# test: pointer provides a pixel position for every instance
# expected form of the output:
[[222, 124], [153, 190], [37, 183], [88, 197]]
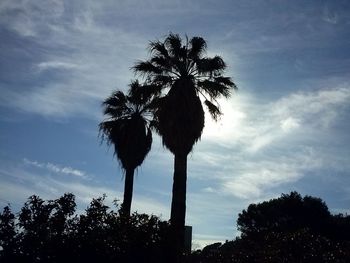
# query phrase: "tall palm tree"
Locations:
[[127, 128], [179, 74]]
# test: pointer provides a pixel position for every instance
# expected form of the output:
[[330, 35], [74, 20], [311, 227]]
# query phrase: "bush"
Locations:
[[50, 231]]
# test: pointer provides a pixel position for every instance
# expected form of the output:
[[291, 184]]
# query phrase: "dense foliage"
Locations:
[[286, 229], [48, 231]]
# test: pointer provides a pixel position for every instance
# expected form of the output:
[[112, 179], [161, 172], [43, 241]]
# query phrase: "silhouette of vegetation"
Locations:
[[287, 229], [177, 74], [127, 128], [50, 231], [287, 213]]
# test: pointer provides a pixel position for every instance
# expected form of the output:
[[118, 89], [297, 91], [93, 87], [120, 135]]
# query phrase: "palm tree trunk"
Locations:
[[128, 187], [178, 205]]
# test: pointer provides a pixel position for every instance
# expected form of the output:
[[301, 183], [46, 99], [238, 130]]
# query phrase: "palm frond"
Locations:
[[213, 65], [134, 88], [106, 129], [161, 62], [173, 44], [135, 94], [115, 105], [198, 47], [160, 82], [154, 89], [214, 89], [146, 68], [117, 98], [143, 96], [227, 81], [213, 109], [116, 112], [158, 48]]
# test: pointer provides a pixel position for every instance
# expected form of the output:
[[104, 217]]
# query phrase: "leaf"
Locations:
[[158, 49], [173, 44], [213, 109], [198, 47], [146, 68], [215, 89], [211, 65]]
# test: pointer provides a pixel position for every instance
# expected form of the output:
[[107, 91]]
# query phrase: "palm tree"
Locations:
[[127, 128], [179, 75]]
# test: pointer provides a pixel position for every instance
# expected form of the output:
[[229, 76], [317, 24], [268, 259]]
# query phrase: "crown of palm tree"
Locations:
[[178, 74], [127, 125]]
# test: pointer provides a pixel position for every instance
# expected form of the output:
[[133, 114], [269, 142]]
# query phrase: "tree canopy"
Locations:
[[178, 72], [288, 213], [290, 228], [52, 231]]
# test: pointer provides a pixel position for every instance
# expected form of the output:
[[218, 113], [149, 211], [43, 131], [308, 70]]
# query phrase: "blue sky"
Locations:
[[285, 129]]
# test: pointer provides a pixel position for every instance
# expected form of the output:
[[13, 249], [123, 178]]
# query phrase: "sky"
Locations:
[[285, 129]]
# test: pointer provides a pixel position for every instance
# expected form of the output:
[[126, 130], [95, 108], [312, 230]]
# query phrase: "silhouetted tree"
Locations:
[[290, 228], [290, 212], [341, 227], [297, 246], [48, 231], [127, 129], [8, 240], [177, 73]]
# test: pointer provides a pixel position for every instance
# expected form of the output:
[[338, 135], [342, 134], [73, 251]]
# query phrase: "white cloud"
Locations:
[[17, 184], [311, 103], [329, 17], [261, 140], [56, 65], [200, 241], [208, 190], [57, 168], [289, 124], [274, 145], [256, 124], [250, 179], [252, 184], [91, 58], [27, 18], [229, 125]]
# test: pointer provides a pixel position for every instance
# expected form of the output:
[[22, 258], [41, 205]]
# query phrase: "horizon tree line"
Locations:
[[176, 77], [290, 228]]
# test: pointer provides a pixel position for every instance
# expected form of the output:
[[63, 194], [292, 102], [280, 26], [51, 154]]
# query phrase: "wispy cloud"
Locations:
[[290, 124], [200, 241], [313, 105], [56, 65], [256, 124], [57, 168], [80, 59], [28, 17], [70, 55], [329, 16], [312, 111], [255, 178], [267, 145], [18, 183]]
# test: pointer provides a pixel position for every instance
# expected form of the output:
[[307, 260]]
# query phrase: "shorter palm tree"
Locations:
[[127, 128]]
